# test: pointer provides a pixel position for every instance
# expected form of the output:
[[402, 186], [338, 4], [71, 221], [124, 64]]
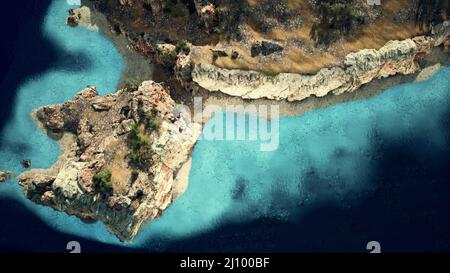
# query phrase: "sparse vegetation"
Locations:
[[335, 19], [103, 181], [131, 85], [182, 47], [270, 73], [169, 59], [266, 14], [141, 153], [268, 25], [152, 124], [231, 18], [176, 9], [431, 12]]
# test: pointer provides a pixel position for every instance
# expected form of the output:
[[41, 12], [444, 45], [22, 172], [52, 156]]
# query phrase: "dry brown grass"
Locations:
[[294, 59], [120, 173]]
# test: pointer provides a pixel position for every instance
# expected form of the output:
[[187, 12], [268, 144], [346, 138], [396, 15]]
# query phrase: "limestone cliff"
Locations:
[[396, 57], [133, 139]]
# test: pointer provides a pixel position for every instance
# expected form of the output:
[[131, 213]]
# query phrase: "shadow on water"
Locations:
[[26, 52], [33, 235], [407, 211]]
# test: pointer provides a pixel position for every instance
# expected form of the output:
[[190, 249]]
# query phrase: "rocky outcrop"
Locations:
[[166, 55], [4, 176], [183, 68], [265, 48], [94, 134], [80, 16], [396, 57]]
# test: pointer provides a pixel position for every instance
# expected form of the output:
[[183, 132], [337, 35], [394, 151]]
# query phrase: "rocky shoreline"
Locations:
[[359, 68]]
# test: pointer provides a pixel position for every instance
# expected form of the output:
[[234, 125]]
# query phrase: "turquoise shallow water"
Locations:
[[96, 62], [327, 155]]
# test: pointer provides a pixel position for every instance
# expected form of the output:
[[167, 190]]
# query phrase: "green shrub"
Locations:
[[131, 85], [270, 73], [141, 152], [152, 124], [176, 10], [133, 138], [183, 47], [142, 157], [169, 59], [103, 181], [267, 25], [215, 57]]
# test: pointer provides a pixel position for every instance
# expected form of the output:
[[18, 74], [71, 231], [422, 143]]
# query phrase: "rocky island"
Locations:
[[126, 156]]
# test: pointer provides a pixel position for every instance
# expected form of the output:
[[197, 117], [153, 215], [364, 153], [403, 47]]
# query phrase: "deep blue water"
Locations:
[[367, 170]]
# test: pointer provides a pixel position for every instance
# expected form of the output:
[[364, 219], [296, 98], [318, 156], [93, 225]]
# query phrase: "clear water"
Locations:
[[327, 155], [98, 63]]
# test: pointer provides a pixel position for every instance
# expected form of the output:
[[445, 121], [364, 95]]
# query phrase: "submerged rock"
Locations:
[[97, 176], [73, 18], [26, 163], [4, 176]]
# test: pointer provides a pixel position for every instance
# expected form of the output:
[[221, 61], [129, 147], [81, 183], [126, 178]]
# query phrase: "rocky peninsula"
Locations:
[[123, 157]]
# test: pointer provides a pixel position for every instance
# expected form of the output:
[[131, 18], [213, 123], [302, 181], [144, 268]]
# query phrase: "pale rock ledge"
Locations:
[[358, 68]]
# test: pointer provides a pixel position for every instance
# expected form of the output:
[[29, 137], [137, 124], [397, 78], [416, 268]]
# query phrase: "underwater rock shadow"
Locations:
[[406, 211], [25, 52], [23, 232]]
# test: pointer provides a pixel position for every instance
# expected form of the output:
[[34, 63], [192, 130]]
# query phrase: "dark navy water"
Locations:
[[372, 170]]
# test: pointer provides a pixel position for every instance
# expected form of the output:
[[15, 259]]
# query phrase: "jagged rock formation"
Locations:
[[396, 57], [94, 133], [80, 16]]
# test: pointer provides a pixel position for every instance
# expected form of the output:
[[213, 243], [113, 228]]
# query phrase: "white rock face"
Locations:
[[396, 57]]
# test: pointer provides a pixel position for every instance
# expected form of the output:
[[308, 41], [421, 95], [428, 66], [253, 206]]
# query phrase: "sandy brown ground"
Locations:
[[308, 58]]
